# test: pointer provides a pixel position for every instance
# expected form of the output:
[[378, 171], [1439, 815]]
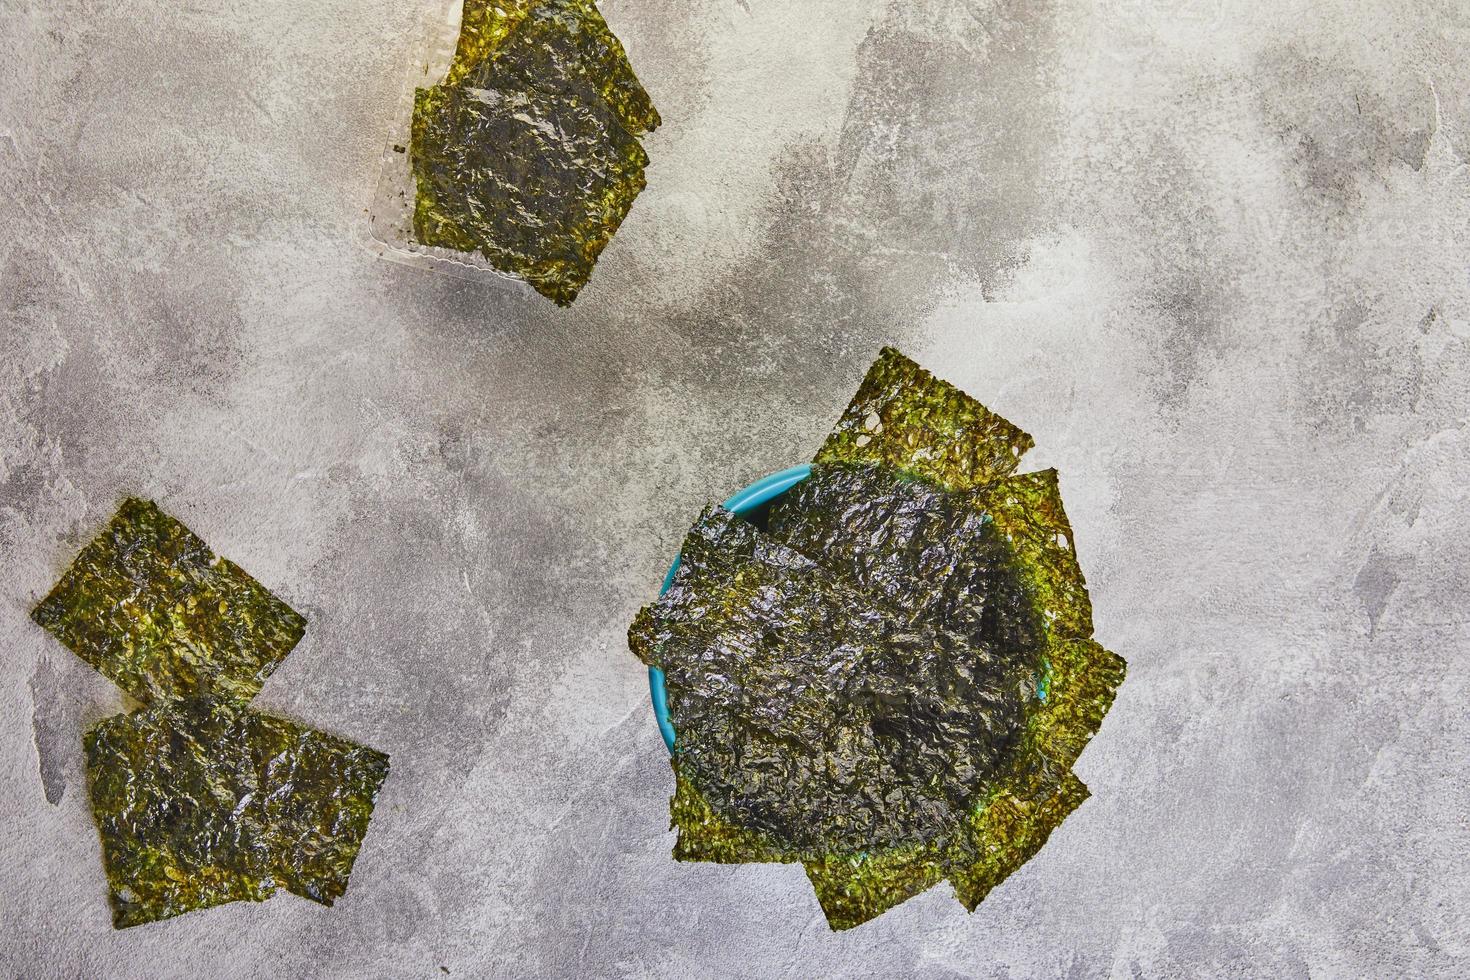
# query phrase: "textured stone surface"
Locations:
[[1212, 254]]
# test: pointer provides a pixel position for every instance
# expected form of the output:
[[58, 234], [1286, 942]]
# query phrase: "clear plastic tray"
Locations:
[[390, 216]]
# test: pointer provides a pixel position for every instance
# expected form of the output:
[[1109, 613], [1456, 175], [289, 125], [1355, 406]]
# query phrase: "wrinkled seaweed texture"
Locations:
[[1038, 790], [944, 535], [483, 27], [152, 608], [317, 793], [1027, 510], [528, 152], [1005, 834], [554, 42], [704, 835], [809, 714], [855, 887], [932, 553], [170, 786], [203, 801], [945, 558], [199, 800], [904, 417]]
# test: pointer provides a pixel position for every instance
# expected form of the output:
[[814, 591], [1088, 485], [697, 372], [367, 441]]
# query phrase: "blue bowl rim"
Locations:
[[762, 491]]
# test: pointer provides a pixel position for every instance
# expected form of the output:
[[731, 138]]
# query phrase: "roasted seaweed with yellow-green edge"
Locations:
[[153, 609], [528, 152], [550, 39], [807, 713], [198, 799], [1079, 680], [939, 556], [1040, 790], [855, 887], [170, 787], [317, 793], [1004, 834], [204, 801], [704, 835], [904, 417], [483, 27], [932, 553], [912, 507]]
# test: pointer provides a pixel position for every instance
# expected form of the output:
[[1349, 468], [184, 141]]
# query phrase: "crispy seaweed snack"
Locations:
[[807, 713], [317, 793], [905, 418], [912, 507], [198, 799], [528, 152], [170, 788], [554, 39], [153, 609], [935, 554], [203, 801]]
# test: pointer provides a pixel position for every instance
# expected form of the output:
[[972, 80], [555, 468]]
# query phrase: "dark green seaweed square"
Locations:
[[1027, 510], [528, 153], [936, 555], [536, 184], [547, 43], [317, 793], [153, 609], [203, 801], [912, 513], [904, 417], [172, 788], [855, 887], [1006, 833], [807, 713]]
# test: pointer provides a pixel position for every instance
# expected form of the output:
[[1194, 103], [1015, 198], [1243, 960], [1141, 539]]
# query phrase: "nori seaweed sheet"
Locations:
[[483, 27], [317, 793], [528, 151], [704, 835], [807, 713], [1034, 794], [932, 553], [1038, 790], [904, 417], [1027, 509], [199, 800], [170, 788], [203, 801], [940, 556], [1003, 835], [939, 441], [997, 563], [855, 887], [536, 186], [553, 38], [999, 837], [153, 609]]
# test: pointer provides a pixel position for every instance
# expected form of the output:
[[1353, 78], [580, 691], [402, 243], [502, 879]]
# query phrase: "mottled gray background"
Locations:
[[1212, 253]]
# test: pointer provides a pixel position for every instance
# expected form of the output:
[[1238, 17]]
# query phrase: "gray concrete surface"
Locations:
[[1211, 253]]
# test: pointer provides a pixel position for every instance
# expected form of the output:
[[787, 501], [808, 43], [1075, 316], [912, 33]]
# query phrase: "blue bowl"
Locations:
[[758, 494]]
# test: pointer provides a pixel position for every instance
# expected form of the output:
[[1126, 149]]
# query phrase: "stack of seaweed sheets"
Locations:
[[887, 676], [199, 799], [528, 152]]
